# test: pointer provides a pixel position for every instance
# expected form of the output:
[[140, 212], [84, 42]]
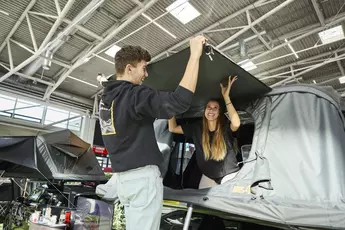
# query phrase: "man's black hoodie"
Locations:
[[126, 116]]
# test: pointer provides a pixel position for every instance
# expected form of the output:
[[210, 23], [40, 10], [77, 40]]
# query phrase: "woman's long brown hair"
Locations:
[[217, 149]]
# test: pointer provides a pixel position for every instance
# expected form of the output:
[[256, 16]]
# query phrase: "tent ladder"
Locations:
[[188, 217]]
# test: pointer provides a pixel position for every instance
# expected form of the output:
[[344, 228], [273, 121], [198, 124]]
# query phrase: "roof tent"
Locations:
[[59, 155]]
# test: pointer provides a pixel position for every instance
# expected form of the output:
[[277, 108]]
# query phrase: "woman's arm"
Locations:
[[235, 121], [173, 127], [234, 118]]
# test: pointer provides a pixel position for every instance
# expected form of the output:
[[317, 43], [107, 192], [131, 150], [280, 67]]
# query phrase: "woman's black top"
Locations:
[[215, 170]]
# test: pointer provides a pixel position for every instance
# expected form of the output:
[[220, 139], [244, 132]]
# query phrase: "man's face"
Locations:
[[138, 73]]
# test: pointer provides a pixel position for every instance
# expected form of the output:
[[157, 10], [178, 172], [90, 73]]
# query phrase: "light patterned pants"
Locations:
[[141, 192]]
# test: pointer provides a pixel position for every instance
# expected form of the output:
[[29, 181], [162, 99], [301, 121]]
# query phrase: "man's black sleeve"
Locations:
[[189, 129], [152, 103]]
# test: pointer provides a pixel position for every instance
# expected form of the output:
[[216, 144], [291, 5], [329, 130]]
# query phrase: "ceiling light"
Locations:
[[292, 49], [4, 12], [158, 25], [332, 35], [112, 51], [342, 80], [247, 65], [87, 83], [47, 61], [183, 11]]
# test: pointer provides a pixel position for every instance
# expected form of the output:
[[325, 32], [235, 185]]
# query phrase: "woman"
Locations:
[[216, 157]]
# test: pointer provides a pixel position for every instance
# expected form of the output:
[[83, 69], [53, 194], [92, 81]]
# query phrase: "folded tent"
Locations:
[[59, 155]]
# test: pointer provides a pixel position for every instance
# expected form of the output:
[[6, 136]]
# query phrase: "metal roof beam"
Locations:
[[44, 44], [318, 12], [330, 60], [232, 46], [290, 54], [55, 44], [32, 34], [6, 66], [81, 60], [93, 44], [51, 23], [329, 22], [249, 19], [301, 62], [79, 27], [139, 3], [211, 27], [329, 80], [341, 68], [281, 38], [57, 6], [59, 62], [19, 21], [257, 21]]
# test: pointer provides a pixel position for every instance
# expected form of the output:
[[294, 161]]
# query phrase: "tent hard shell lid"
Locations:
[[294, 175], [59, 155], [167, 73]]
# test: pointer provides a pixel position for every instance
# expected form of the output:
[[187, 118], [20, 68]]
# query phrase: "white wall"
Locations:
[[88, 129]]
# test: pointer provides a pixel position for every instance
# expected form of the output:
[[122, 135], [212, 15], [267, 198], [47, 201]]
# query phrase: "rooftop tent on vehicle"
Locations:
[[59, 155], [295, 172]]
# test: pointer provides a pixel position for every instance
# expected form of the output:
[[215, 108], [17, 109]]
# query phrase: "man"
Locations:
[[127, 112]]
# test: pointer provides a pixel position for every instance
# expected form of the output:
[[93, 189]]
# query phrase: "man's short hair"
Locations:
[[130, 55]]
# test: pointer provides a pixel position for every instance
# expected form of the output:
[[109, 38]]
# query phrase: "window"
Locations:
[[74, 124], [35, 112], [55, 115], [187, 149], [28, 111], [104, 162], [7, 105]]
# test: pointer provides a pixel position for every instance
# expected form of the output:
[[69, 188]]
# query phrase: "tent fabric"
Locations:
[[211, 74], [299, 148], [164, 140], [12, 149], [73, 159], [68, 142]]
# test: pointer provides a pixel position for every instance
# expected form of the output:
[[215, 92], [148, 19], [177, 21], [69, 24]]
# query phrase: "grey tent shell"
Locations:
[[295, 172], [59, 155]]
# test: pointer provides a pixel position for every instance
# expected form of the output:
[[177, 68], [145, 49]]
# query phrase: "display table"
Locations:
[[36, 226]]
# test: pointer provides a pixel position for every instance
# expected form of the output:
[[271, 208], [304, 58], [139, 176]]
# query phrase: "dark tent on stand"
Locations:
[[295, 172], [60, 155]]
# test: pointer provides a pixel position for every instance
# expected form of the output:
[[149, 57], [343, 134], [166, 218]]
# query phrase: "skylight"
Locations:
[[332, 35], [183, 11], [342, 80], [247, 65], [112, 50]]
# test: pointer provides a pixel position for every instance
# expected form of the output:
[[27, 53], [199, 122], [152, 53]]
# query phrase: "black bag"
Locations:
[[211, 222]]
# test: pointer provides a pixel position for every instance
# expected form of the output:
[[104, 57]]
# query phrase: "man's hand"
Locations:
[[196, 45], [226, 90]]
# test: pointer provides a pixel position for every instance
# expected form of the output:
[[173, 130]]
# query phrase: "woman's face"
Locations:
[[212, 110]]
